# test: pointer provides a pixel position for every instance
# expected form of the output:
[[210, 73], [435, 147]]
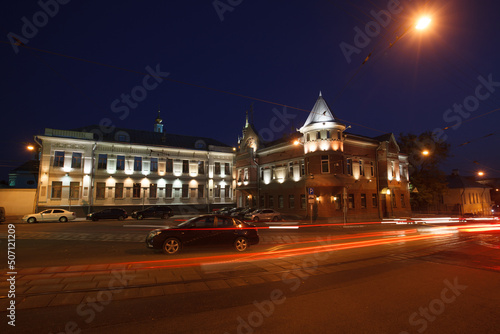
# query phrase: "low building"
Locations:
[[466, 196], [82, 171], [323, 171]]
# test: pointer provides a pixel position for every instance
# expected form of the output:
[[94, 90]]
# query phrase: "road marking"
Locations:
[[154, 226]]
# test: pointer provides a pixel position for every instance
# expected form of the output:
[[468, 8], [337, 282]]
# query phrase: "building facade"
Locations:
[[83, 171], [323, 171]]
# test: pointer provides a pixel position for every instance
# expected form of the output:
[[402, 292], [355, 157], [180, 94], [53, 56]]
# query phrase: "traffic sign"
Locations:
[[311, 191]]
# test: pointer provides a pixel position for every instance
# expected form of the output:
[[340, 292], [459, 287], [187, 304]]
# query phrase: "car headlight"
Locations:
[[153, 234]]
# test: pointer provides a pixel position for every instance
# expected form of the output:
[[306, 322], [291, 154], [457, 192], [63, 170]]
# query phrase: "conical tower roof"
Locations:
[[320, 113]]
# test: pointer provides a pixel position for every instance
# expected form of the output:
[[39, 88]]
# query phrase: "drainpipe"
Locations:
[[92, 176]]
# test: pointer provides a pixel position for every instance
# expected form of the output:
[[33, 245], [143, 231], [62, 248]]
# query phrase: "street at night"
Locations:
[[361, 278]]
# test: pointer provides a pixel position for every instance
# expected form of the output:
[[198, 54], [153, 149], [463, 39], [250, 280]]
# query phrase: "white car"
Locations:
[[263, 214], [50, 215]]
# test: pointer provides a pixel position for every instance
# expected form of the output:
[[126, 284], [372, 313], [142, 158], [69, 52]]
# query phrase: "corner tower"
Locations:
[[158, 123], [321, 132]]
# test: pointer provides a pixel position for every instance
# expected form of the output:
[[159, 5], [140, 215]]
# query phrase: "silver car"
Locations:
[[50, 215], [263, 215]]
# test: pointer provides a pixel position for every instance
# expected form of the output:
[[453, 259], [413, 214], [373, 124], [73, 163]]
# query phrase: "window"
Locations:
[[401, 171], [361, 168], [74, 190], [372, 169], [302, 201], [363, 201], [185, 190], [153, 190], [185, 166], [262, 201], [393, 171], [271, 201], [217, 191], [374, 200], [119, 190], [349, 166], [227, 169], [291, 201], [302, 168], [308, 138], [201, 167], [201, 189], [403, 204], [280, 201], [168, 190], [217, 168], [169, 166], [338, 135], [351, 201], [153, 167], [325, 164], [56, 189], [261, 174], [393, 199], [138, 164], [227, 191], [76, 160], [120, 162], [273, 172], [102, 161], [290, 169], [100, 190], [327, 134], [318, 135], [136, 190], [59, 159]]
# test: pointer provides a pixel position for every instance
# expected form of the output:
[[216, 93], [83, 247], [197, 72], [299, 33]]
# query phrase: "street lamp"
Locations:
[[480, 173], [425, 153], [423, 23]]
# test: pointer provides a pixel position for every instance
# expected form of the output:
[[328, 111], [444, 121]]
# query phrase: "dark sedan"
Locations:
[[206, 230], [156, 211], [119, 214]]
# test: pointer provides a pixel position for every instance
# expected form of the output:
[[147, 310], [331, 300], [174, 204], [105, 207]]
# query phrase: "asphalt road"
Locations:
[[378, 279]]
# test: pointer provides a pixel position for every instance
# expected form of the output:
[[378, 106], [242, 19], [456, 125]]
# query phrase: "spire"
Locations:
[[246, 119], [158, 127], [320, 94], [320, 113]]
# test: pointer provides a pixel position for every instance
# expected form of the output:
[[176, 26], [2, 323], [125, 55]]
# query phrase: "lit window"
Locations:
[[325, 164], [74, 190], [100, 191], [102, 161], [119, 190], [153, 167], [120, 162], [136, 190], [59, 159], [76, 160], [363, 201], [56, 190], [138, 164]]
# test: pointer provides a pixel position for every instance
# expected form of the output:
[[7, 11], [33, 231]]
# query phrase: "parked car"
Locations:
[[156, 211], [263, 214], [119, 214], [224, 210], [50, 215], [205, 230], [2, 214], [241, 214]]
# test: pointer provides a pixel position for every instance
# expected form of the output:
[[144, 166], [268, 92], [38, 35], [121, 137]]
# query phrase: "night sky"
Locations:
[[217, 62]]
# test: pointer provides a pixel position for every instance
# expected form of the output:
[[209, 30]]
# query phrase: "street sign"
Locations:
[[311, 199], [311, 191]]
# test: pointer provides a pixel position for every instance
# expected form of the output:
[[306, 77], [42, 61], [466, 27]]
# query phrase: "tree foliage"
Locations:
[[427, 181]]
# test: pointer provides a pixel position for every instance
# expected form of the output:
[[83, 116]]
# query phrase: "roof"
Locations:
[[143, 137], [320, 112], [30, 166], [457, 181]]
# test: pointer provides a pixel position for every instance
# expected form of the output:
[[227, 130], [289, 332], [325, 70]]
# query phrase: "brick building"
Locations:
[[323, 171]]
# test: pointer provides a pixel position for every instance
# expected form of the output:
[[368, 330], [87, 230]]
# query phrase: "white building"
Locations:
[[125, 168]]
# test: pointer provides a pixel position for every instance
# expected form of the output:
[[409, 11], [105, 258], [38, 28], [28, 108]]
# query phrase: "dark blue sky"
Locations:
[[278, 51]]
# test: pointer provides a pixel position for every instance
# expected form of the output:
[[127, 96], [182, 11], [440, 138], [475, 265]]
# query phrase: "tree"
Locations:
[[427, 181]]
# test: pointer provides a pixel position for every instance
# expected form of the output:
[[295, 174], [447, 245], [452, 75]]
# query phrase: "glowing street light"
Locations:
[[423, 23], [480, 173], [30, 147], [425, 153]]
